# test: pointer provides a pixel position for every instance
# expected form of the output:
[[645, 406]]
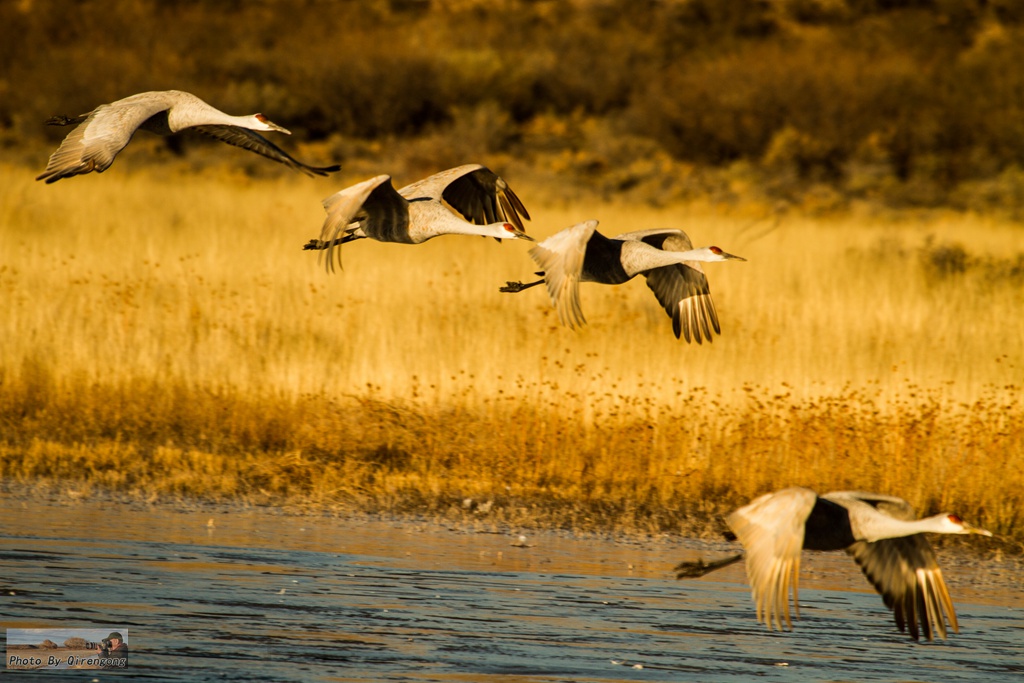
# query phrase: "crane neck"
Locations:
[[461, 227], [185, 110], [429, 219], [881, 527], [179, 118], [639, 257]]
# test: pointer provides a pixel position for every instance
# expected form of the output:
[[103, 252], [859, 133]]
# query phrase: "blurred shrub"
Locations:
[[805, 155], [943, 260], [734, 106], [994, 192]]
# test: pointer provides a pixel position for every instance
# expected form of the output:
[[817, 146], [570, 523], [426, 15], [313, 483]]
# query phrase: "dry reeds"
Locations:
[[167, 336]]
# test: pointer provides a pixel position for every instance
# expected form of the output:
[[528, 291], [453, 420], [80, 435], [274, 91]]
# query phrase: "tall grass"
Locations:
[[164, 334]]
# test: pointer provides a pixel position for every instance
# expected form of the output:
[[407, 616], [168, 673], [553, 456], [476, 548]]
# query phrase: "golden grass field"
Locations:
[[165, 336]]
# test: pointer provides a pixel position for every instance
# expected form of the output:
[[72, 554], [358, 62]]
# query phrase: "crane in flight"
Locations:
[[879, 531], [665, 257], [102, 133], [465, 200]]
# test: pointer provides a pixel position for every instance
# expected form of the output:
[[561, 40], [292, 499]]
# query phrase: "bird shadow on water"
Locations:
[[282, 598]]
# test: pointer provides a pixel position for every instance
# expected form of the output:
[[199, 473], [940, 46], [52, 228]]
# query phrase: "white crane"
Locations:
[[879, 531], [108, 128], [465, 200], [666, 257]]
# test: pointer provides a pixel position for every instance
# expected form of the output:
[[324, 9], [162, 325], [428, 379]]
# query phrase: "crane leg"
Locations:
[[513, 287], [62, 120], [321, 244], [692, 570]]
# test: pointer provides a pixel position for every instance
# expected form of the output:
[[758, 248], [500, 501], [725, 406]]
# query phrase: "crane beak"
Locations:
[[976, 530], [717, 252]]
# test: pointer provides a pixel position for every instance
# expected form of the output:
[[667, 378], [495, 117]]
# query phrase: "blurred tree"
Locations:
[[933, 87]]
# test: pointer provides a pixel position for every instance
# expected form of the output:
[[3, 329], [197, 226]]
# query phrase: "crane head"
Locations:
[[956, 525], [515, 233], [716, 254], [267, 124]]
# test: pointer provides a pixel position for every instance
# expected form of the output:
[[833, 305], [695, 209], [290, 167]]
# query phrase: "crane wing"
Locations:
[[105, 131], [891, 505], [680, 238], [561, 258], [483, 197], [683, 292], [254, 142], [905, 572], [771, 529], [371, 208], [433, 185], [681, 289], [475, 192]]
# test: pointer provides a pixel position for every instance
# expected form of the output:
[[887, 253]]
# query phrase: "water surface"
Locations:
[[222, 594]]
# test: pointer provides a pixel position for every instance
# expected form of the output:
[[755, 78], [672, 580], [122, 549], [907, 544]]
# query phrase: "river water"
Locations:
[[254, 594]]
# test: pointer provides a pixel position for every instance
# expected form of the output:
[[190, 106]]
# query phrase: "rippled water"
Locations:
[[271, 597]]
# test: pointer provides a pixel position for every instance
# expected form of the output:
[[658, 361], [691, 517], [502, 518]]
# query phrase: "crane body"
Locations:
[[102, 133], [879, 531], [465, 200], [665, 257]]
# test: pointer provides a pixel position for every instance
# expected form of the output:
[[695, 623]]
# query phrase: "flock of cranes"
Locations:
[[466, 200], [879, 531]]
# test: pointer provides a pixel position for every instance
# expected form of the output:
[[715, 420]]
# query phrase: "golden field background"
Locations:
[[165, 336]]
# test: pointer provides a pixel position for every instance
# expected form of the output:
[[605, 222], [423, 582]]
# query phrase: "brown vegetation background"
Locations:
[[164, 336], [905, 102]]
